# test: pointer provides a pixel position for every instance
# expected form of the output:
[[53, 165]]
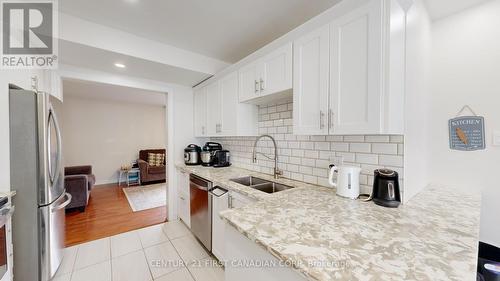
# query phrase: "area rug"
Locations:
[[145, 197]]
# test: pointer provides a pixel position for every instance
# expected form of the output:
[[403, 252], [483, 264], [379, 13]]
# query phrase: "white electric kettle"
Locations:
[[347, 183]]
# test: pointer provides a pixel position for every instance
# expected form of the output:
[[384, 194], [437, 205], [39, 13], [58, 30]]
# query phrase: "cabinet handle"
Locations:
[[256, 86], [330, 118], [230, 201], [261, 85], [202, 130], [321, 119], [182, 198]]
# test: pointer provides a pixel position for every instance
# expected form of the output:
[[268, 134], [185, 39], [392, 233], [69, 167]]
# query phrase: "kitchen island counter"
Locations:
[[432, 237]]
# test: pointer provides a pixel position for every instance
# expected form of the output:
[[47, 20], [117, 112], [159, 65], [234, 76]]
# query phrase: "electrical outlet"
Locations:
[[496, 138]]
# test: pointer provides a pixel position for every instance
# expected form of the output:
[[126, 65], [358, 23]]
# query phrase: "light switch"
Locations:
[[496, 138]]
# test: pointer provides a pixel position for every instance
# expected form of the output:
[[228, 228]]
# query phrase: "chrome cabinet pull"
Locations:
[[230, 201], [256, 86], [261, 85], [321, 119], [330, 117]]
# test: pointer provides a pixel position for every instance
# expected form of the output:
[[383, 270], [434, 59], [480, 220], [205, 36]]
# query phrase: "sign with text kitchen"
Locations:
[[467, 133]]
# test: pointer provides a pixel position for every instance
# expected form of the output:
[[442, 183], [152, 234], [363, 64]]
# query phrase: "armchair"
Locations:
[[150, 174], [78, 181]]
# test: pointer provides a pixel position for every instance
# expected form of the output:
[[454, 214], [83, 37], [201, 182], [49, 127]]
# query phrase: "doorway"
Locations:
[[116, 137]]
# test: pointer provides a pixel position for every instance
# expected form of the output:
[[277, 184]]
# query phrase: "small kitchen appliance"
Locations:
[[207, 154], [192, 155], [222, 158], [347, 183], [386, 188]]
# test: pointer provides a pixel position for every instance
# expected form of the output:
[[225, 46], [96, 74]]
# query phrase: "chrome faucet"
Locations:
[[277, 172]]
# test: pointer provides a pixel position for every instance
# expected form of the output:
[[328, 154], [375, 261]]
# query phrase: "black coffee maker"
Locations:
[[386, 190]]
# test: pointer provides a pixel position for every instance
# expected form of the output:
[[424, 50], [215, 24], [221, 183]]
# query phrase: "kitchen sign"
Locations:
[[467, 133]]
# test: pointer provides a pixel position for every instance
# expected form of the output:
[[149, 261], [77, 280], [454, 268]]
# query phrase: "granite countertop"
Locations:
[[222, 177], [432, 237]]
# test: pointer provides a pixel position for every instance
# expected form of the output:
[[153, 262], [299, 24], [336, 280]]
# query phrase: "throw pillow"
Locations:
[[152, 159], [160, 158], [156, 159]]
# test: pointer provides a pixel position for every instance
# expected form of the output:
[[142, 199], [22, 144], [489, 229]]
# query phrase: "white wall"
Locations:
[[466, 70], [108, 133]]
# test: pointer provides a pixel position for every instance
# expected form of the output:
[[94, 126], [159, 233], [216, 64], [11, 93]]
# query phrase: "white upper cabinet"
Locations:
[[310, 83], [267, 76], [356, 71], [214, 109], [341, 79], [276, 71], [200, 112], [229, 99], [249, 85], [217, 108]]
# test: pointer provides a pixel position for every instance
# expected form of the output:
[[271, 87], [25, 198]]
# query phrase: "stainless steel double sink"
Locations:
[[261, 184]]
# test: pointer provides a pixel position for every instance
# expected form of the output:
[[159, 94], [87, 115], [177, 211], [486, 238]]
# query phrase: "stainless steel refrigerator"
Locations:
[[36, 173]]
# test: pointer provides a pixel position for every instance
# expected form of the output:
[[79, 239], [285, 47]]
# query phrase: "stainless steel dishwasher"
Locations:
[[201, 210]]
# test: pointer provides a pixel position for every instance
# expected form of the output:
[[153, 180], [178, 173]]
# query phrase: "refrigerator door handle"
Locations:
[[64, 204], [53, 118]]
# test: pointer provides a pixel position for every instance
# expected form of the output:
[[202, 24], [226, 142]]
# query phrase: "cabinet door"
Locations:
[[276, 71], [310, 83], [238, 200], [356, 69], [213, 109], [184, 198], [219, 204], [200, 112], [248, 82], [229, 104]]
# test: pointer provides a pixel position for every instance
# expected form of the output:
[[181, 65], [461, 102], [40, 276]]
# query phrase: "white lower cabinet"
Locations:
[[227, 201], [184, 206], [240, 248], [238, 200]]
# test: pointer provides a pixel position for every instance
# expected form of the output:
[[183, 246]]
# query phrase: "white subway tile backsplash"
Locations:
[[364, 158], [307, 145], [306, 158], [340, 146], [308, 162], [354, 138], [397, 138], [360, 147], [390, 160], [322, 145], [377, 138], [311, 154], [385, 148]]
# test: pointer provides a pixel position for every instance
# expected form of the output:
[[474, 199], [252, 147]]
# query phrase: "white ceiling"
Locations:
[[103, 60], [439, 9], [227, 30], [100, 91]]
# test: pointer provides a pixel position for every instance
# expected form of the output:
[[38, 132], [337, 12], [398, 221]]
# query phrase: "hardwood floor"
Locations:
[[108, 213]]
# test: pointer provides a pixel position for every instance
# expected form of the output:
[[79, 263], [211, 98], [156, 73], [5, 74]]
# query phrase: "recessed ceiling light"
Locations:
[[120, 65]]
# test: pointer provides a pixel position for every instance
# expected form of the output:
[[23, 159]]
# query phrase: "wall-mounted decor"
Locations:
[[467, 132]]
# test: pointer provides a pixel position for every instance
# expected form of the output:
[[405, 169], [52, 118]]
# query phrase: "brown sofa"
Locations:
[[78, 181], [150, 174]]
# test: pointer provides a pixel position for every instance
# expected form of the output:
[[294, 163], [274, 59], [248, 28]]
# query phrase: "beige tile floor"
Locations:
[[165, 252]]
